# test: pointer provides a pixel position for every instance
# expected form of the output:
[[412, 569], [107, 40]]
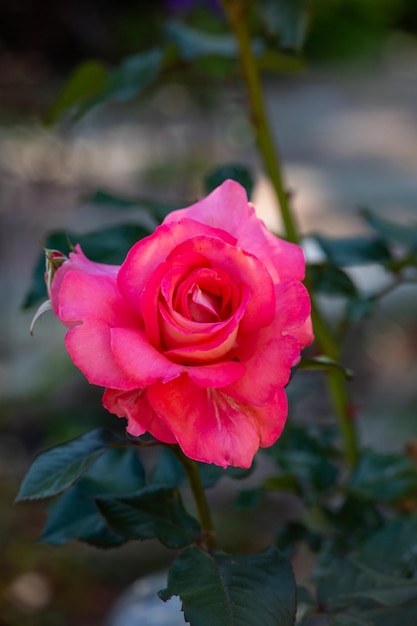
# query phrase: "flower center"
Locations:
[[203, 306]]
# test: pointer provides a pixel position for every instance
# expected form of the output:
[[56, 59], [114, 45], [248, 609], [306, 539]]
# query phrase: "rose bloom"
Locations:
[[195, 334]]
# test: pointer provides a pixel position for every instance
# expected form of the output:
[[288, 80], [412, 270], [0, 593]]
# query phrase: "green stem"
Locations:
[[236, 12], [197, 488]]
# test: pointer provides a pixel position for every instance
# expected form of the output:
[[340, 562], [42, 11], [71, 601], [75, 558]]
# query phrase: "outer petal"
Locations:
[[212, 427], [139, 360], [227, 207], [270, 353], [268, 361], [304, 333], [88, 345], [272, 418], [141, 417], [80, 263], [91, 304], [292, 306], [87, 296], [206, 430]]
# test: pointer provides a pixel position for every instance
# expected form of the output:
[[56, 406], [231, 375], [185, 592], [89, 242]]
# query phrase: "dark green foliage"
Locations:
[[392, 232], [322, 362], [170, 472], [308, 459], [348, 251], [75, 515], [349, 584], [92, 84], [383, 477], [235, 171], [109, 245], [193, 44], [285, 19], [392, 550], [56, 469], [157, 210], [227, 590], [153, 511], [331, 280]]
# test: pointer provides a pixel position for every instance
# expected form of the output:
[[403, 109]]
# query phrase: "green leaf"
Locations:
[[360, 308], [346, 251], [391, 231], [323, 362], [170, 472], [92, 84], [404, 615], [249, 498], [299, 454], [109, 245], [154, 511], [355, 520], [158, 210], [346, 581], [211, 474], [75, 515], [392, 549], [235, 171], [194, 44], [331, 280], [132, 76], [383, 477], [348, 620], [286, 19], [56, 469], [86, 82], [228, 590]]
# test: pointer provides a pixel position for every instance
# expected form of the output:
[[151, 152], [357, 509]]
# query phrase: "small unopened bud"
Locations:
[[53, 261]]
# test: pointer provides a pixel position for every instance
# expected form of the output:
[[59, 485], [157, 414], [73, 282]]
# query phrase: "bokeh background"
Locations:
[[346, 125]]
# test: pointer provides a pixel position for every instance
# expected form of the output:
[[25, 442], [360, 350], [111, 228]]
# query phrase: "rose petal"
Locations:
[[153, 289], [209, 351], [141, 417], [227, 207], [207, 428], [272, 418], [304, 333], [243, 269], [212, 427], [145, 256], [292, 305], [80, 263], [88, 345], [86, 296], [217, 374], [141, 362], [214, 345], [271, 352], [268, 361]]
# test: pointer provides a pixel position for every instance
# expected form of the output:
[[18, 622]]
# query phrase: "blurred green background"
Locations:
[[347, 130]]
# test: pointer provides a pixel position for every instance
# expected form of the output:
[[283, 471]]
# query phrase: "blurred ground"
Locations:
[[348, 139]]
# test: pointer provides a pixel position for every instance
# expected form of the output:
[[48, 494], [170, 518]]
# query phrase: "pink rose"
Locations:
[[195, 334]]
